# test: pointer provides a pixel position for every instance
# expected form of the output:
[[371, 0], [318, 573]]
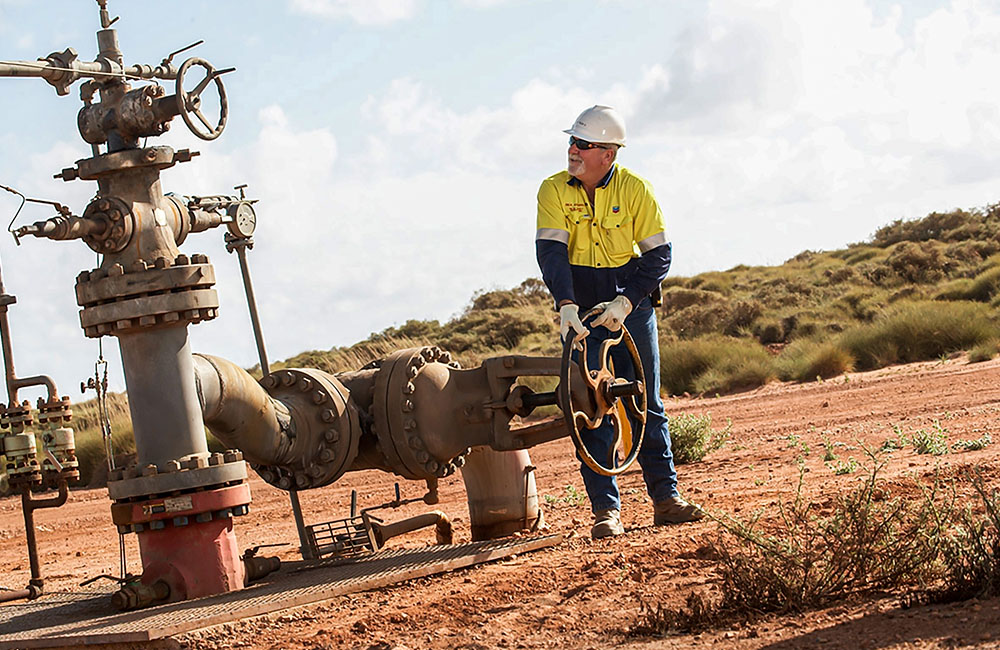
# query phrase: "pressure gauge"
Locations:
[[244, 220]]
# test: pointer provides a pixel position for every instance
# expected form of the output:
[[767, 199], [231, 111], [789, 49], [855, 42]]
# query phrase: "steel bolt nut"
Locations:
[[161, 263], [181, 260], [287, 378], [328, 415], [150, 470], [319, 397], [331, 435]]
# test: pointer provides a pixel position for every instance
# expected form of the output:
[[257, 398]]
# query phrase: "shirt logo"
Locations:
[[615, 209]]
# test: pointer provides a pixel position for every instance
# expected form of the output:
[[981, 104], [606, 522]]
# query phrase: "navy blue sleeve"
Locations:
[[652, 268], [553, 260]]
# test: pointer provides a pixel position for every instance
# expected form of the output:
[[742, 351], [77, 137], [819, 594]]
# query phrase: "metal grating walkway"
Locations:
[[81, 619]]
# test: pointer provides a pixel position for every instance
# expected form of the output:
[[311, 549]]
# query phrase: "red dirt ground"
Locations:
[[584, 594]]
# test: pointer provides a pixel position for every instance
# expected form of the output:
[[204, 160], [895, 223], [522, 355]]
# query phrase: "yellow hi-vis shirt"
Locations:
[[625, 221]]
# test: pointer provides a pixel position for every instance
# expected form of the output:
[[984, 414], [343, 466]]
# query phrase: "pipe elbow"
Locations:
[[239, 412]]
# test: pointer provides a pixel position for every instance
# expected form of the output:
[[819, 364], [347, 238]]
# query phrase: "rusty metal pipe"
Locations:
[[240, 412], [384, 532], [12, 381], [501, 492], [21, 594], [64, 227], [28, 507]]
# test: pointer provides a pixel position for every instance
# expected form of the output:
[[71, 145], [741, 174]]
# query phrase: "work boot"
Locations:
[[676, 510], [607, 523]]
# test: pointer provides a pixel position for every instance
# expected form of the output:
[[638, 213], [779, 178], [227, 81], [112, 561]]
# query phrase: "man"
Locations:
[[601, 244]]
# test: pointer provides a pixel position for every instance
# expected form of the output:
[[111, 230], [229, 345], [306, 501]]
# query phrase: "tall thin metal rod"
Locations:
[[241, 253], [13, 383], [305, 550]]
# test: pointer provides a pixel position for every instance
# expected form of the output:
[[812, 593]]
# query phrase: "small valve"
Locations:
[[59, 461], [19, 446]]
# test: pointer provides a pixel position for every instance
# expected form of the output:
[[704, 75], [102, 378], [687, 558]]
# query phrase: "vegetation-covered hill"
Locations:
[[916, 290]]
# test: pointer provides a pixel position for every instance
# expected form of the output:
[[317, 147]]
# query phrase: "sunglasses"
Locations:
[[583, 145]]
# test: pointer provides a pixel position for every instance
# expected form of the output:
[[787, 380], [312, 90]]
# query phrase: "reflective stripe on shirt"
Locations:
[[554, 234], [651, 242]]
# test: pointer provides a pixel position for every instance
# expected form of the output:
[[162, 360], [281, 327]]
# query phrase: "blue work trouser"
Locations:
[[655, 457]]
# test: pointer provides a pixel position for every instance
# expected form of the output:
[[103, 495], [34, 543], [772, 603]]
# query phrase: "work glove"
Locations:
[[613, 313], [569, 319]]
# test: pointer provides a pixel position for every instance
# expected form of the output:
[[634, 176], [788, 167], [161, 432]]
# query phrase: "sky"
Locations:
[[396, 146]]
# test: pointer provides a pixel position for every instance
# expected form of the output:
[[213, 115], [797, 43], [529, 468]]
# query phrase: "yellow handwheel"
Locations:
[[622, 400]]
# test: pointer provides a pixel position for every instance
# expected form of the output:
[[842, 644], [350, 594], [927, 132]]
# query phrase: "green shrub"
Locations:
[[944, 226], [769, 331], [985, 285], [692, 436], [971, 554], [861, 253], [917, 331], [699, 319], [715, 363], [984, 351], [933, 442], [530, 292], [918, 263], [957, 289], [745, 371], [814, 555], [676, 298], [806, 360]]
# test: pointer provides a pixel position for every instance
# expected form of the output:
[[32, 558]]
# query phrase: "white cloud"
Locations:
[[364, 12]]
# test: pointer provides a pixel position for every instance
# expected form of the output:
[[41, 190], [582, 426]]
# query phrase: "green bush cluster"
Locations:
[[804, 554], [692, 436]]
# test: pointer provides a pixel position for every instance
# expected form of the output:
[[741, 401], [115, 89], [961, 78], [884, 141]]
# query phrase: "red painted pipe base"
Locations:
[[200, 559]]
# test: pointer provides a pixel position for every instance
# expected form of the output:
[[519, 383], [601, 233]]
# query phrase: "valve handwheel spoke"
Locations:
[[189, 101], [621, 401]]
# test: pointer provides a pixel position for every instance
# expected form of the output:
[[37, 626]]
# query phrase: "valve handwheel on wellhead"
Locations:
[[618, 399]]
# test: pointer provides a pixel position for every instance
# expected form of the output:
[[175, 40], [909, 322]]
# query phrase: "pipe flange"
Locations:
[[327, 430], [158, 157], [395, 417], [165, 293], [178, 510], [191, 473], [118, 222]]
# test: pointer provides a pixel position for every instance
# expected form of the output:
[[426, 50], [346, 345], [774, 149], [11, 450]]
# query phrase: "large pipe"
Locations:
[[500, 485], [240, 413], [161, 395]]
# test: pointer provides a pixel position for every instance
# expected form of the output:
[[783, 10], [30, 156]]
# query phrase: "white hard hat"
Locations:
[[600, 124]]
